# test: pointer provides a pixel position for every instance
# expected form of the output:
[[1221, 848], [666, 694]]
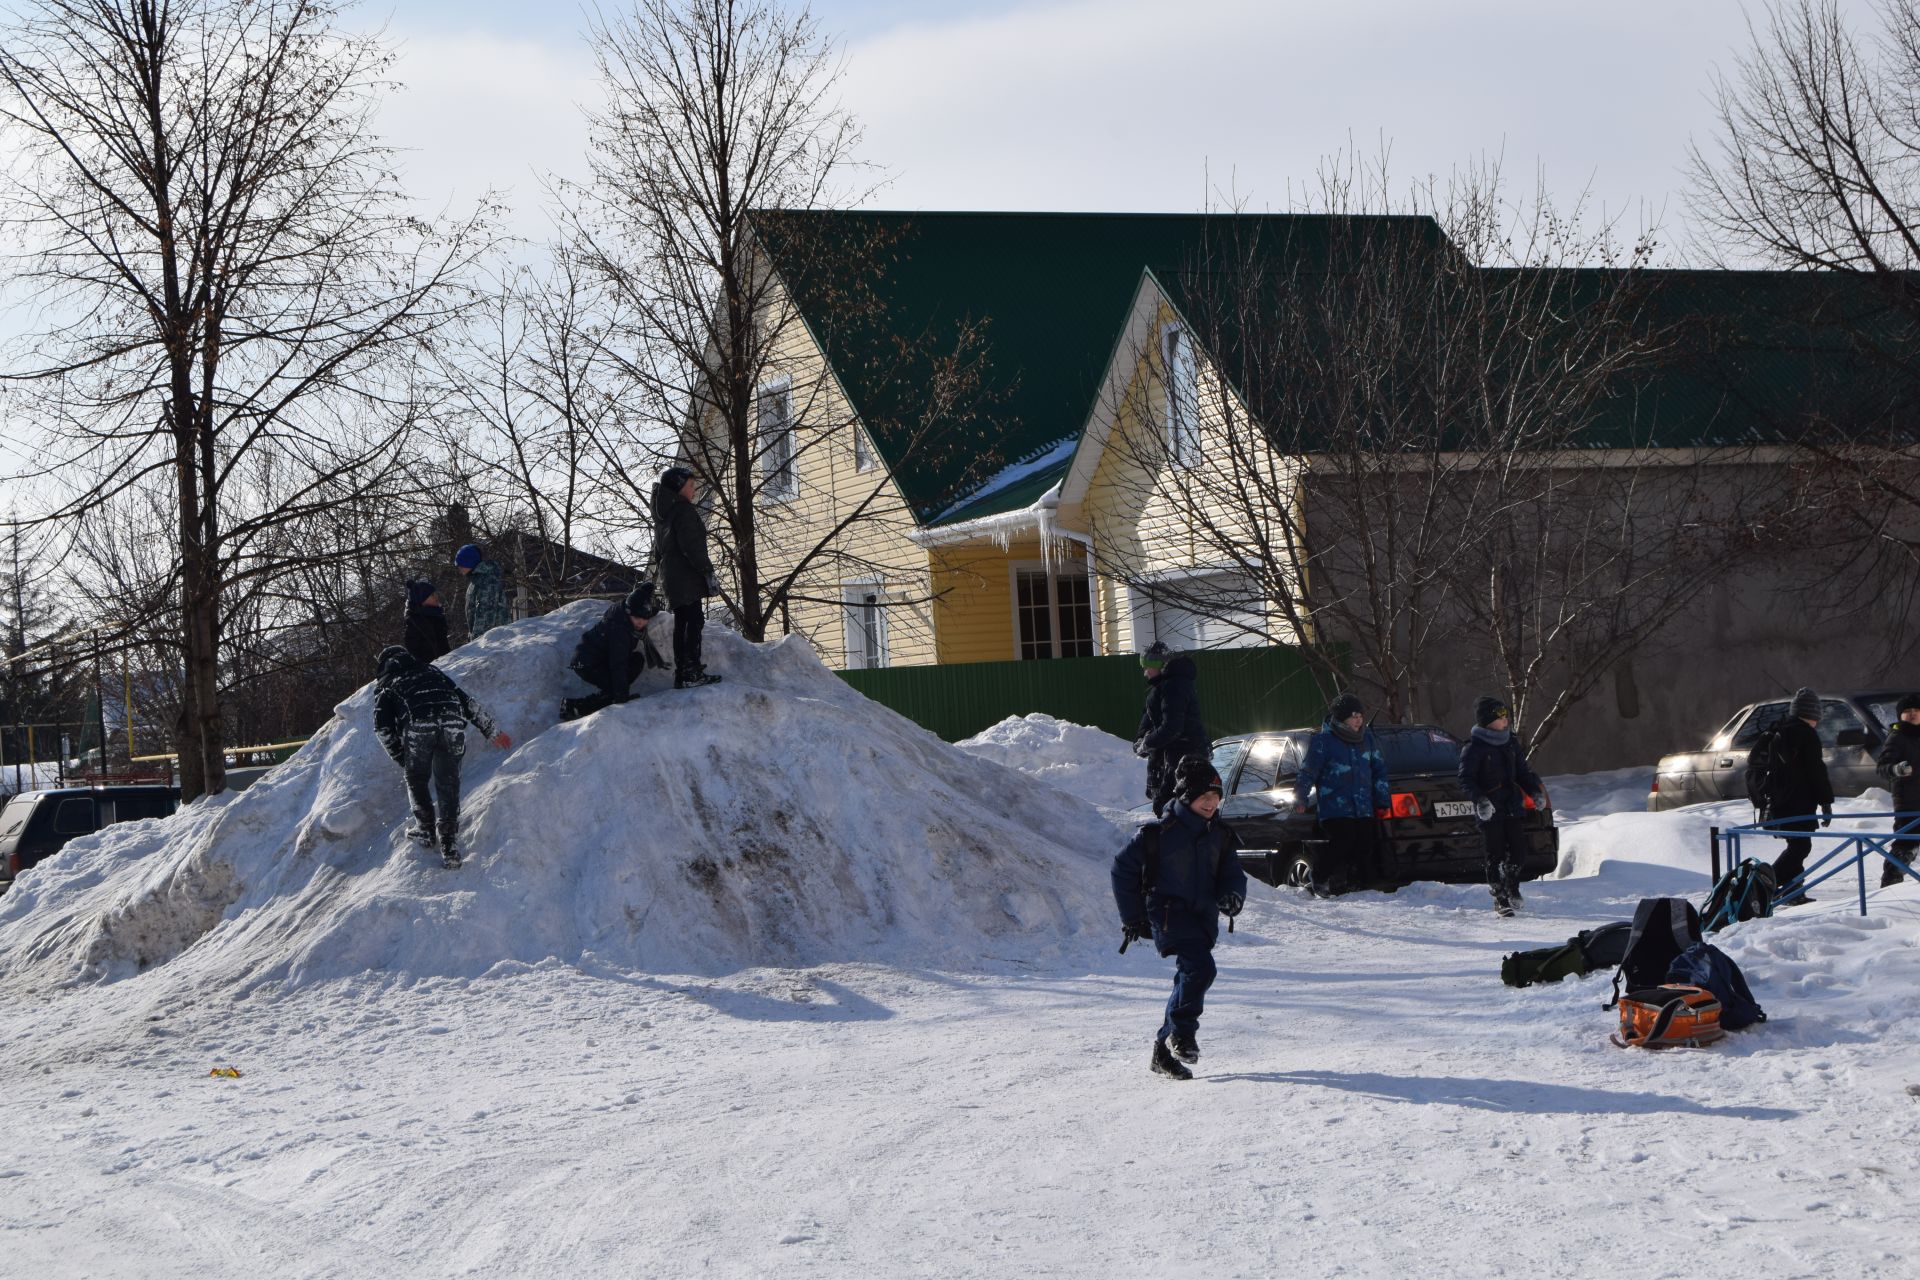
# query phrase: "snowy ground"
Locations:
[[1372, 1101]]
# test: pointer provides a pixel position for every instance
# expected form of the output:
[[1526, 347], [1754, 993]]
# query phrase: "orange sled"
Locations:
[[1668, 1016]]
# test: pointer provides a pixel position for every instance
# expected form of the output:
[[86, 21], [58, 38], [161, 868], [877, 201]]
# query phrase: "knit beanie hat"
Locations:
[[1345, 705], [674, 479], [1909, 703], [1806, 705], [392, 653], [1155, 654], [640, 601], [466, 557], [418, 589], [1193, 777], [1488, 709]]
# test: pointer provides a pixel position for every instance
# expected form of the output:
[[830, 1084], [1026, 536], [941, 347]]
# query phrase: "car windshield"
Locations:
[[1885, 710], [1418, 749], [14, 816]]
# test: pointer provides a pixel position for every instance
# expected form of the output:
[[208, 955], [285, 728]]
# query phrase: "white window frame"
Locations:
[[1182, 366], [779, 478], [855, 634], [863, 456], [1061, 569], [1145, 609]]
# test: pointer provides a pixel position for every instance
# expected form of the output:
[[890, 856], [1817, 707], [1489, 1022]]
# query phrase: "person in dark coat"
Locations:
[[421, 716], [1347, 776], [426, 622], [614, 652], [1797, 784], [686, 572], [1496, 776], [1899, 762], [1173, 882], [1170, 727]]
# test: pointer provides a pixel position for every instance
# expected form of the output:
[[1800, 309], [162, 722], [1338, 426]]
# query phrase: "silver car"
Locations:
[[1852, 727]]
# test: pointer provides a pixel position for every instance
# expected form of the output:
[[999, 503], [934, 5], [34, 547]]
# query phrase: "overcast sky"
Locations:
[[1137, 104]]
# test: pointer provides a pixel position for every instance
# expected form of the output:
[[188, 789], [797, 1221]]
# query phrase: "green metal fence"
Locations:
[[1240, 690]]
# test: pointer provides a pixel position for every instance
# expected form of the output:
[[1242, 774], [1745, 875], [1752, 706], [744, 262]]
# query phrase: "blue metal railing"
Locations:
[[1845, 849]]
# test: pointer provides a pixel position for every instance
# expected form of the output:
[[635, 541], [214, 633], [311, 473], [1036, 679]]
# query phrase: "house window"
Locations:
[[774, 439], [866, 624], [1183, 398], [1056, 623], [862, 450]]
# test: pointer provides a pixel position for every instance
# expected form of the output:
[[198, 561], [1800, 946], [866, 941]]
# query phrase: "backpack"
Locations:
[[1744, 893], [1705, 965], [1585, 952], [1759, 773], [1662, 929], [1668, 1016]]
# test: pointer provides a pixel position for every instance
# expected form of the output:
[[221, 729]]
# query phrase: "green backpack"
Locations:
[[1587, 951]]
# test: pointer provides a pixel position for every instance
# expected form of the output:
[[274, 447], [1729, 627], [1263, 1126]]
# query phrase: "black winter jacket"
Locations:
[[1797, 782], [609, 654], [427, 633], [1170, 726], [410, 694], [1199, 865], [1902, 747], [1498, 771], [680, 548]]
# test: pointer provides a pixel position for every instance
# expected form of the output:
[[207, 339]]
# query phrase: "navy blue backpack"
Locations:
[[1705, 965]]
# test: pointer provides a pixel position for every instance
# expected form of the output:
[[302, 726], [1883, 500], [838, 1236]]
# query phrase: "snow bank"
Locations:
[[1082, 761], [779, 818]]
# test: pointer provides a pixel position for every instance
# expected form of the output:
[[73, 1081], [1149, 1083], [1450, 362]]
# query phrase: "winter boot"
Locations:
[[1502, 904], [450, 858], [1184, 1046], [694, 678], [1890, 875], [419, 835], [1165, 1064]]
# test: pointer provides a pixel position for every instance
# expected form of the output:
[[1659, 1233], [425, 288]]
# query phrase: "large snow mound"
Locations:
[[1080, 760], [778, 818]]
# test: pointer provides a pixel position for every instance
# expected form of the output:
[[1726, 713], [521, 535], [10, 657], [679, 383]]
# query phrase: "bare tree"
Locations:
[[228, 268]]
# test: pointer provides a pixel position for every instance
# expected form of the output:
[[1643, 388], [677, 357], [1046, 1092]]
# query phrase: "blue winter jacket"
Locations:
[[1493, 767], [1199, 865], [1351, 778]]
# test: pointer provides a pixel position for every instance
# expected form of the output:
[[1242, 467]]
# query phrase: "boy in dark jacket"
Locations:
[[1170, 727], [1797, 784], [1496, 776], [426, 621], [614, 652], [1345, 768], [686, 572], [1172, 883], [1899, 762], [421, 718]]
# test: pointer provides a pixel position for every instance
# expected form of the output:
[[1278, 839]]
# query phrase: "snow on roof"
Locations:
[[1052, 455], [779, 818]]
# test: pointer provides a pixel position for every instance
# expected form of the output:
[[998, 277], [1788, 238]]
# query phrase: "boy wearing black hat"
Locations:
[[426, 621], [1496, 776], [1170, 727], [614, 652], [1899, 762], [1172, 883], [686, 572], [420, 716], [1346, 771], [1797, 784]]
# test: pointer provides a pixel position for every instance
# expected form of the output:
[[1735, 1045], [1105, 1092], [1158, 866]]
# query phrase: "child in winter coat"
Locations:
[[1899, 762], [1797, 784], [1496, 776], [486, 593], [421, 717], [1345, 768], [614, 653], [1170, 725], [426, 621], [1172, 883]]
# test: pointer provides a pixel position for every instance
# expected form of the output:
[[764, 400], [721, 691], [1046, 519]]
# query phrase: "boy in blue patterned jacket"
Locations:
[[1345, 768]]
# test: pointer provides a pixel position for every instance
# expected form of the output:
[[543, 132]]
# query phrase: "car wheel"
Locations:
[[1305, 871]]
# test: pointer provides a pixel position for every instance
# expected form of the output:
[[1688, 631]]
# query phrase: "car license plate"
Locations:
[[1453, 809]]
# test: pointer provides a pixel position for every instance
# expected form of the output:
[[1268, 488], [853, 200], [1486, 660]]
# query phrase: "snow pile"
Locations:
[[1577, 796], [779, 818], [1082, 761]]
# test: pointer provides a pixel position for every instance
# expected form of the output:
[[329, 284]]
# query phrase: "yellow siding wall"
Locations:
[[973, 610]]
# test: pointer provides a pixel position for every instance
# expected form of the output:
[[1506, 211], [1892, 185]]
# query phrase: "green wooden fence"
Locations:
[[1240, 690]]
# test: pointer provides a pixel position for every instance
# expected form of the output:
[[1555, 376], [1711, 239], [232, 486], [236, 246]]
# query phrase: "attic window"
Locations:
[[773, 431], [1183, 397], [863, 459]]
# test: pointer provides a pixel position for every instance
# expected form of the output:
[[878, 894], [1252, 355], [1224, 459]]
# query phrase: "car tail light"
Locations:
[[1655, 788], [1406, 805]]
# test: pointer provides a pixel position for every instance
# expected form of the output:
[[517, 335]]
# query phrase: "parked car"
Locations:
[[1852, 727], [1429, 835], [35, 825]]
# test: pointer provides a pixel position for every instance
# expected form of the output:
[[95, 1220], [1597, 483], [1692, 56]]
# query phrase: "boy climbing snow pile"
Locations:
[[1172, 883], [421, 718]]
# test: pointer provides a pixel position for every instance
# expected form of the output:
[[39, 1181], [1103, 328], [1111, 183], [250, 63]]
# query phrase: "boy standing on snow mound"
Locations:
[[686, 572], [1496, 776], [1797, 784], [486, 593], [1170, 727], [426, 621], [614, 653], [1172, 883], [421, 718], [1345, 767], [1899, 762]]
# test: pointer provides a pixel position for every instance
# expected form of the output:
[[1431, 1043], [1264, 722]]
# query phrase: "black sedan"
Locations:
[[1427, 834]]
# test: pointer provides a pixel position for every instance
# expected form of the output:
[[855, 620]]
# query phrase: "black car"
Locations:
[[36, 824], [1428, 833]]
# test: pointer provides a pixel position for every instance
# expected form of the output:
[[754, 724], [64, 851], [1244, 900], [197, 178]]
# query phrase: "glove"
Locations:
[[1903, 770], [713, 583], [1230, 904], [1484, 810], [1826, 815], [501, 740], [1136, 931], [1141, 749]]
